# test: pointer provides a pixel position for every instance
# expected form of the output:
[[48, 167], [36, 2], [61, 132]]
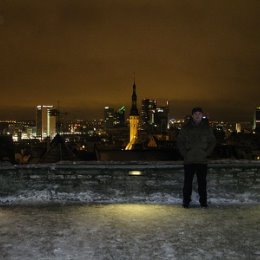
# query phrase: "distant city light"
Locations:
[[15, 138]]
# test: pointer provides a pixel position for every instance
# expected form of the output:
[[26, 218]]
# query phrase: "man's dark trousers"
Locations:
[[201, 172]]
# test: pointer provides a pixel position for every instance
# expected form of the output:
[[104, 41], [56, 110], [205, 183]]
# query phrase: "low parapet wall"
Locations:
[[159, 182]]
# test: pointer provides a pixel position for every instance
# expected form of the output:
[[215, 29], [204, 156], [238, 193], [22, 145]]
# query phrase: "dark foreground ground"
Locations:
[[129, 231]]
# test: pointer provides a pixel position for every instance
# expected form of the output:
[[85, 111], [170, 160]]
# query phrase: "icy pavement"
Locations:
[[129, 231]]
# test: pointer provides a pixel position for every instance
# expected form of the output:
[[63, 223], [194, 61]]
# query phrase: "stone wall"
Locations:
[[116, 182]]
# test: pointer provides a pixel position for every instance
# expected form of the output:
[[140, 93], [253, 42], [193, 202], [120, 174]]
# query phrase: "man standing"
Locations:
[[196, 142]]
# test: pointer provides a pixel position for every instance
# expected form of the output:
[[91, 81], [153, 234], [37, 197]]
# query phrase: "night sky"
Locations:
[[85, 54]]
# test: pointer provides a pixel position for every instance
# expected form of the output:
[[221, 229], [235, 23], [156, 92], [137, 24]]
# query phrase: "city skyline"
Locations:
[[84, 54]]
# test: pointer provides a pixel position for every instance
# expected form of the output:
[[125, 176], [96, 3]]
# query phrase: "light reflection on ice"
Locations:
[[129, 231]]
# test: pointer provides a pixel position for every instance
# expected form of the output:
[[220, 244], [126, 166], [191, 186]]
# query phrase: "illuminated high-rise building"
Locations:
[[161, 118], [256, 125], [154, 119], [147, 113], [133, 121], [45, 121]]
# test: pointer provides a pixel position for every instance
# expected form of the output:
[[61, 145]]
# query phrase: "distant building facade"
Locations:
[[154, 119], [120, 117], [161, 119], [109, 116], [256, 124], [45, 121], [147, 113], [114, 118]]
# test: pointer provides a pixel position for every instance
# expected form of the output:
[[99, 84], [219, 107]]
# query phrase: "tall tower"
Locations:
[[256, 123], [147, 114], [161, 118], [133, 120], [45, 122]]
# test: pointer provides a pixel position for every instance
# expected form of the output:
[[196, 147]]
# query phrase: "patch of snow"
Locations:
[[52, 196]]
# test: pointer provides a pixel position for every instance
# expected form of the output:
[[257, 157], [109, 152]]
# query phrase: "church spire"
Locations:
[[133, 121], [134, 110]]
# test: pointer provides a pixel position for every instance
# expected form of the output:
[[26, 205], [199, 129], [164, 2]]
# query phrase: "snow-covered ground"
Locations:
[[35, 197], [129, 231]]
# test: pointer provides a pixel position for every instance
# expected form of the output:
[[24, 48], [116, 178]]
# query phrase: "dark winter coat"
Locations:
[[196, 142]]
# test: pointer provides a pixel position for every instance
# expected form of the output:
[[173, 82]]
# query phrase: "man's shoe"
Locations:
[[185, 205], [204, 205]]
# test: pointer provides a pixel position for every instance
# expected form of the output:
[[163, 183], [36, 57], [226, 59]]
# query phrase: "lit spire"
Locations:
[[134, 110]]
